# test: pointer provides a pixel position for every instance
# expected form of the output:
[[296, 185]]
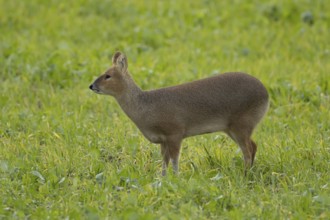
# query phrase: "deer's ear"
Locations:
[[119, 60]]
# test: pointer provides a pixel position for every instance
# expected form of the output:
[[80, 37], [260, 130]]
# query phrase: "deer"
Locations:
[[233, 103]]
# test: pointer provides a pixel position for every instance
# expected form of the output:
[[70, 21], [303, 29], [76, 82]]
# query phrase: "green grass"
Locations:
[[66, 152]]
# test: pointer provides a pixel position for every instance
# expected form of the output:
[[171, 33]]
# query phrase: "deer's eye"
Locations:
[[107, 76]]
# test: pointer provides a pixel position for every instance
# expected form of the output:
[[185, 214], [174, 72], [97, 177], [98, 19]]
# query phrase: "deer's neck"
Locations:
[[129, 100]]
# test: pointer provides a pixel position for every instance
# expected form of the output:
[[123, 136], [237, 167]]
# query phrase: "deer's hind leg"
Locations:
[[254, 150], [242, 136]]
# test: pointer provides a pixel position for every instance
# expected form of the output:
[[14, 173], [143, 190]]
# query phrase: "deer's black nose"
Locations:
[[91, 87]]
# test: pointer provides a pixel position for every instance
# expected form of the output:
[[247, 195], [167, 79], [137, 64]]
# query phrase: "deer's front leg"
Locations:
[[166, 158], [171, 151]]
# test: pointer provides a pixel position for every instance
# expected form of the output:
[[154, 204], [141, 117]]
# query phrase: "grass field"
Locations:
[[67, 153]]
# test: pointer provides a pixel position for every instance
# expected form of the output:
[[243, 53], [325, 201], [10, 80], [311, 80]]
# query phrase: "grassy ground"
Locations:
[[66, 152]]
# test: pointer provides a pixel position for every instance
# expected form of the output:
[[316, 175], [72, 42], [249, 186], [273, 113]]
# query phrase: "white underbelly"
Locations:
[[206, 127]]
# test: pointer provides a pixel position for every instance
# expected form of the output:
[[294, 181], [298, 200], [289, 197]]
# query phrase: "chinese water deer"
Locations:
[[231, 102]]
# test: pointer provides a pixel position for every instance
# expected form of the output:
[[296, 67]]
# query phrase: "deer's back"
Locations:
[[228, 92]]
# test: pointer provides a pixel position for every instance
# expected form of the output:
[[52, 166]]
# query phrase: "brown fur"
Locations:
[[231, 102]]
